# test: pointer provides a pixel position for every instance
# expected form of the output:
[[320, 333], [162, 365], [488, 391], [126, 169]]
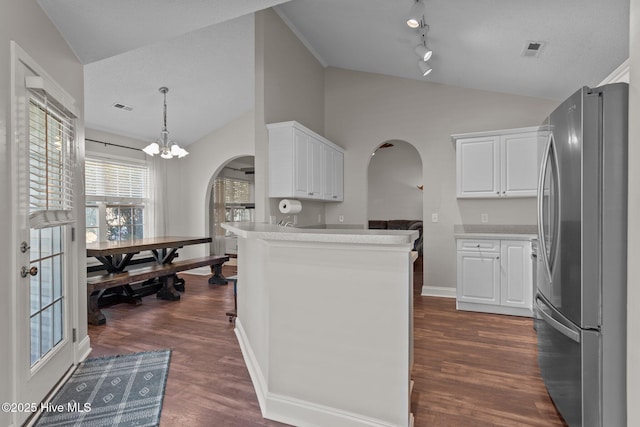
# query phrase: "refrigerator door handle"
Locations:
[[540, 199], [565, 330]]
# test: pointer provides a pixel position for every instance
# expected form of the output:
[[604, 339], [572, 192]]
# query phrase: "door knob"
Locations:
[[24, 247], [28, 271]]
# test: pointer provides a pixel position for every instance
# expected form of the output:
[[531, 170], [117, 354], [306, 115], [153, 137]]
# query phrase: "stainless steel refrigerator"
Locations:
[[582, 257]]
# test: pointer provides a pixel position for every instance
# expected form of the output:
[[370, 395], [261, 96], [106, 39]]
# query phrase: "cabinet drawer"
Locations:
[[478, 245]]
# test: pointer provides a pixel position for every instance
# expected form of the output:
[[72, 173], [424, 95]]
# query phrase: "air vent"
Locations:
[[532, 49], [124, 107]]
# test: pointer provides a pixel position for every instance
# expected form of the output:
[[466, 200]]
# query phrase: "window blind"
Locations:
[[112, 179], [236, 191], [51, 160]]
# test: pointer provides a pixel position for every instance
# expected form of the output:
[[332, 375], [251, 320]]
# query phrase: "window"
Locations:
[[232, 200], [116, 193]]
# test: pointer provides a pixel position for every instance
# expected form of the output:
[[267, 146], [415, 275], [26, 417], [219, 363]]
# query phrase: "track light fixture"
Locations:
[[416, 15], [422, 50]]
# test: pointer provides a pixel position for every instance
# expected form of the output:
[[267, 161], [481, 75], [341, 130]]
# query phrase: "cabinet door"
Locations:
[[333, 174], [315, 174], [301, 167], [479, 277], [329, 187], [338, 171], [519, 164], [516, 278], [478, 167]]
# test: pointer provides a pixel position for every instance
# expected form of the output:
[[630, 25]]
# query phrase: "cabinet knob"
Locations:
[[504, 192], [497, 257], [497, 192], [478, 245]]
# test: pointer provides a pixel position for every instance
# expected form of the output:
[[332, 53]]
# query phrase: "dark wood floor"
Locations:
[[471, 369]]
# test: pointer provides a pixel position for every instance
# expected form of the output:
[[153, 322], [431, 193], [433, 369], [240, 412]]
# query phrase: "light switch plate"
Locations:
[[484, 217], [434, 217]]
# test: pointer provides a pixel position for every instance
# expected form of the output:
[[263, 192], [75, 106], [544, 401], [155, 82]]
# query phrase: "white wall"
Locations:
[[289, 86], [190, 178], [633, 282], [24, 22], [394, 174], [362, 110]]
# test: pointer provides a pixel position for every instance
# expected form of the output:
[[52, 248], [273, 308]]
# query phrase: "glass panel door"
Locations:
[[47, 299], [44, 217]]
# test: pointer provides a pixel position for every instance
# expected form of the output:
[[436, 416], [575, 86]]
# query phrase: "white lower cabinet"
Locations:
[[495, 276]]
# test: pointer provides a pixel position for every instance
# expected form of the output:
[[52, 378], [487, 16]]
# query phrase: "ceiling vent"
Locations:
[[124, 107], [532, 49]]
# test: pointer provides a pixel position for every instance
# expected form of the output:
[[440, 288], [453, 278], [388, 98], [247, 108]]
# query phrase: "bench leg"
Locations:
[[167, 291], [94, 314], [179, 284], [217, 278]]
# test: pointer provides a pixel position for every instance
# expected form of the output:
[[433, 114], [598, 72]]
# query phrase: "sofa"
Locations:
[[400, 224]]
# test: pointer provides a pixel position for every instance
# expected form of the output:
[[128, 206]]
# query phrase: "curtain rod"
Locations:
[[111, 143]]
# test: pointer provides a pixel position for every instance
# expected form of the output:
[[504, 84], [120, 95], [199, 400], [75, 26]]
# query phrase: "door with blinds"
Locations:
[[45, 223]]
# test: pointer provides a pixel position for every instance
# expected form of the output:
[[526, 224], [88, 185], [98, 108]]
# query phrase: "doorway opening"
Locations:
[[394, 195], [231, 199]]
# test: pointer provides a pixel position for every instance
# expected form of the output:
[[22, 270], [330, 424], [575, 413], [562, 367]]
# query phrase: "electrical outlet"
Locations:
[[434, 217], [341, 218], [295, 220], [484, 217], [272, 219]]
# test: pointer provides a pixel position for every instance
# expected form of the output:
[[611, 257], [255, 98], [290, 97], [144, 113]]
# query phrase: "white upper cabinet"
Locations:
[[498, 164], [334, 171], [303, 164]]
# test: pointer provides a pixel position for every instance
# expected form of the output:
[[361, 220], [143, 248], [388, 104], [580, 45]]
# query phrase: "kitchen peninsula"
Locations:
[[325, 322]]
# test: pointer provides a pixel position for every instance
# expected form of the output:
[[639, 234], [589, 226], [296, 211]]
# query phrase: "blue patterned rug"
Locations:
[[125, 390]]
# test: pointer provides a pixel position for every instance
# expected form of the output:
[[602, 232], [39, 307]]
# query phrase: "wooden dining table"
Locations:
[[116, 256]]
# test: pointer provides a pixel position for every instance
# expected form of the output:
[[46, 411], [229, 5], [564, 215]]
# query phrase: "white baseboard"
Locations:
[[494, 309], [83, 348], [295, 411], [438, 291], [250, 360]]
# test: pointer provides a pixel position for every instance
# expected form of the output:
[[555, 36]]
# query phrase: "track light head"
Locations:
[[423, 52], [416, 15], [425, 68]]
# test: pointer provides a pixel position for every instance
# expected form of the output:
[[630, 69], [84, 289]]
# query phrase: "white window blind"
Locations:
[[232, 190], [113, 179], [51, 161]]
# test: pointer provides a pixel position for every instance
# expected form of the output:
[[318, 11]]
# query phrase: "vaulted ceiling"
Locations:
[[203, 50]]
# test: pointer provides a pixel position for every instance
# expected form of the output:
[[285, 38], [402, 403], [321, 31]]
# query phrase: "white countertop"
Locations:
[[496, 236], [354, 236]]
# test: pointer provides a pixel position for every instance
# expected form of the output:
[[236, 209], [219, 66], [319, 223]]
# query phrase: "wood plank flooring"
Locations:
[[471, 369]]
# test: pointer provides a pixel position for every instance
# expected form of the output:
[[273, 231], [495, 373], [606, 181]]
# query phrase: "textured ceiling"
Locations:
[[203, 50]]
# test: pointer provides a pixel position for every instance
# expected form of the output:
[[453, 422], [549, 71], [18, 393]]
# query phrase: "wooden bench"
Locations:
[[96, 285]]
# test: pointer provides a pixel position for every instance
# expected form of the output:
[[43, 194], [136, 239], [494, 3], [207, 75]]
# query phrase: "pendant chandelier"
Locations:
[[164, 146]]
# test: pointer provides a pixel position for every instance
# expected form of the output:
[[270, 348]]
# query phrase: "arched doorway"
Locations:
[[231, 198], [394, 195]]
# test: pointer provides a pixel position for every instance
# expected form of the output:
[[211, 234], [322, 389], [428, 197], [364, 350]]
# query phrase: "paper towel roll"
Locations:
[[290, 206]]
